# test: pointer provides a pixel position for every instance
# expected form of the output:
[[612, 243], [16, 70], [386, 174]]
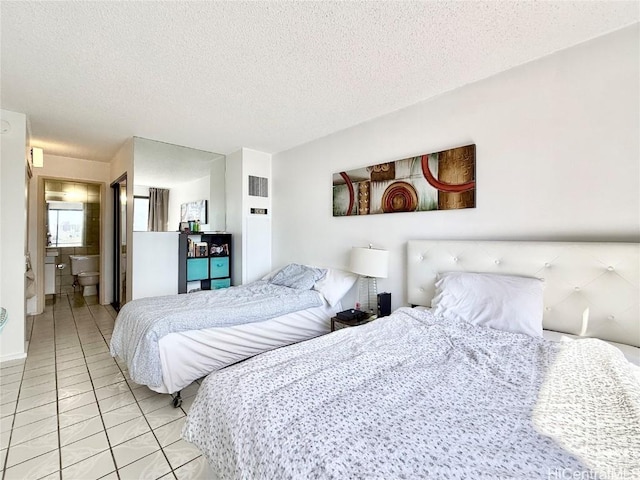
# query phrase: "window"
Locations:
[[140, 214], [66, 224]]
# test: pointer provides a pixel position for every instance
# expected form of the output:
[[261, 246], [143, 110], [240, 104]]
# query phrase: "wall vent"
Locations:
[[258, 186]]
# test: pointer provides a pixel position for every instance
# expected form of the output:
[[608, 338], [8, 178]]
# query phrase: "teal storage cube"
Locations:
[[219, 267], [220, 283], [197, 269]]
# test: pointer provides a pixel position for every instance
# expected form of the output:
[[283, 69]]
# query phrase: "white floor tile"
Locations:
[[78, 415], [34, 430], [121, 415], [108, 379], [81, 430], [116, 401], [66, 364], [149, 467], [128, 430], [76, 389], [169, 433], [36, 401], [112, 390], [40, 380], [35, 414], [144, 392], [164, 415], [33, 448], [154, 403], [26, 392], [10, 378], [134, 449], [75, 401], [35, 468], [36, 372], [83, 449], [71, 400], [70, 372], [73, 380], [197, 469], [93, 467], [180, 452]]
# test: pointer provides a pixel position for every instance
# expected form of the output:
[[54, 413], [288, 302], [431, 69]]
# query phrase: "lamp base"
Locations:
[[368, 294]]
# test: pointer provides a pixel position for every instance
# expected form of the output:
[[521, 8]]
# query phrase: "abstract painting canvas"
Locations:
[[434, 181]]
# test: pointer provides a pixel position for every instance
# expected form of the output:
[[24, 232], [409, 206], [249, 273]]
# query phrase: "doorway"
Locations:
[[119, 189], [71, 226]]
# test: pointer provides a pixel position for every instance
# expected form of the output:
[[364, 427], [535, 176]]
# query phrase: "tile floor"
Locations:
[[70, 411]]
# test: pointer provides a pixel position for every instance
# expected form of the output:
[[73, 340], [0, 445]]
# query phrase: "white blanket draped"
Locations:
[[409, 396]]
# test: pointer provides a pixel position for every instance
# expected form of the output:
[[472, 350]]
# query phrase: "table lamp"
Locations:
[[370, 263]]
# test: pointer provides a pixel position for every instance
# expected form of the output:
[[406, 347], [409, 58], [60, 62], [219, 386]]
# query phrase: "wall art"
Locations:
[[194, 211], [434, 181]]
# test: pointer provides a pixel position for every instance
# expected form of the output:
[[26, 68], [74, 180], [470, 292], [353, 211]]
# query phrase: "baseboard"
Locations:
[[15, 356]]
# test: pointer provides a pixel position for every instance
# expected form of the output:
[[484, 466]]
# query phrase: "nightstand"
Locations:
[[337, 324]]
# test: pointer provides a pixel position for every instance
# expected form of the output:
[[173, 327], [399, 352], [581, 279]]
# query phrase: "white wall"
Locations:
[[557, 159], [234, 196], [121, 164], [187, 192], [155, 263], [251, 257], [217, 196], [13, 221], [69, 169]]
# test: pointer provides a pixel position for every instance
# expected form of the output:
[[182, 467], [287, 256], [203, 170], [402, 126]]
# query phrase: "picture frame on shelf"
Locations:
[[221, 250]]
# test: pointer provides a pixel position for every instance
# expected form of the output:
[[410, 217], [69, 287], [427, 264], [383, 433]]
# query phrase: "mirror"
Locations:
[[189, 174]]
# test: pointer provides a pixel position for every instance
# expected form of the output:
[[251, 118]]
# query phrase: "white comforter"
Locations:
[[410, 396]]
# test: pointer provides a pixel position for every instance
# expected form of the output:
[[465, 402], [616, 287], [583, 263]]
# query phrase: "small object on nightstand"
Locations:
[[384, 304], [351, 314]]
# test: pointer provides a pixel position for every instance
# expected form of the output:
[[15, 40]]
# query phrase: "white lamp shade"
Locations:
[[370, 262]]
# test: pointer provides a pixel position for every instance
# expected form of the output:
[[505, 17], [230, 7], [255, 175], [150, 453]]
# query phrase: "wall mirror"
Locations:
[[186, 174]]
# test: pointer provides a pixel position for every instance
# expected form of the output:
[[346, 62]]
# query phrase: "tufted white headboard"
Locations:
[[592, 289]]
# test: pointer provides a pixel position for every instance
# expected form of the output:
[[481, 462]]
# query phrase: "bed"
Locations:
[[168, 342], [450, 391]]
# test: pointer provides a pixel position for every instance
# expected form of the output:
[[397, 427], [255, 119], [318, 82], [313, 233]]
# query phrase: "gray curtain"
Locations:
[[158, 209]]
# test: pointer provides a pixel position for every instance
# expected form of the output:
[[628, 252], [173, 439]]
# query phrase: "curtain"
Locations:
[[158, 209]]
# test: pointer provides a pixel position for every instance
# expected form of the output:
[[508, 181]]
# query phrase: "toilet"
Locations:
[[87, 270]]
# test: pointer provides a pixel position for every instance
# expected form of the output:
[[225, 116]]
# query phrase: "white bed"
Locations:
[[170, 357], [417, 395], [187, 356]]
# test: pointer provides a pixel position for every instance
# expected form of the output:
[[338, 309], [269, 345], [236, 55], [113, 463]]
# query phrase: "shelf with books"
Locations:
[[204, 261]]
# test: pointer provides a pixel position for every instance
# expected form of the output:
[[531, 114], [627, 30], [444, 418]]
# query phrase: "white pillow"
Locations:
[[503, 302], [335, 285]]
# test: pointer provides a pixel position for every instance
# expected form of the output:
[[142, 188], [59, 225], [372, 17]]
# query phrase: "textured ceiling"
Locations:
[[265, 75]]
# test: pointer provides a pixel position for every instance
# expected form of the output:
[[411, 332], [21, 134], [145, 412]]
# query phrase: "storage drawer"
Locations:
[[219, 267], [220, 283], [197, 269]]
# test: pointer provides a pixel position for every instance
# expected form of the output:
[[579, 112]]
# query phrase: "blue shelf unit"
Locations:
[[204, 261]]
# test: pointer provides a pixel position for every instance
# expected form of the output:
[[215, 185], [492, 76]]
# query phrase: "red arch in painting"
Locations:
[[352, 195], [443, 187]]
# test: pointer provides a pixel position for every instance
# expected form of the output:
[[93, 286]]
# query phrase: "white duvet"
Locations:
[[410, 396]]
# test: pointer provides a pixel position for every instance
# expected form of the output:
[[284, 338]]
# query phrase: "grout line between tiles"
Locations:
[[71, 325]]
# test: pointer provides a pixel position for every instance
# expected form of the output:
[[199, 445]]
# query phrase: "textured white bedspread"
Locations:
[[410, 397]]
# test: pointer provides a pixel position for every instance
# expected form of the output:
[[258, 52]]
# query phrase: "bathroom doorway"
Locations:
[[71, 227], [119, 189]]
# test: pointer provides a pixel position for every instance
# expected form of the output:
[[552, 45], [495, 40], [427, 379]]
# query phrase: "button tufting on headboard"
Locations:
[[593, 287]]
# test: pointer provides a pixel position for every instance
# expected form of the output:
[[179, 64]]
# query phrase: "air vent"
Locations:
[[258, 186]]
